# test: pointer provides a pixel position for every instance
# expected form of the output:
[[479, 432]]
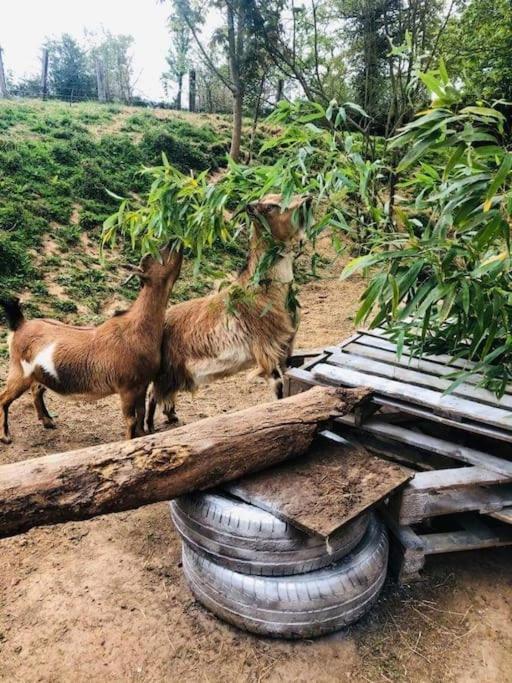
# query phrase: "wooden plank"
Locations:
[[322, 491], [430, 443], [448, 405], [405, 360], [345, 342], [310, 363], [424, 414], [378, 338], [407, 555], [456, 541], [306, 353], [303, 376], [302, 380], [503, 515], [414, 506], [397, 452], [410, 376], [457, 477]]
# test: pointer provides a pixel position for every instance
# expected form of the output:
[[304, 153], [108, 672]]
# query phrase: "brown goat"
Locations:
[[204, 340], [120, 356]]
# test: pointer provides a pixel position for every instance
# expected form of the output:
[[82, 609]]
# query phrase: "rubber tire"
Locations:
[[305, 606], [249, 540]]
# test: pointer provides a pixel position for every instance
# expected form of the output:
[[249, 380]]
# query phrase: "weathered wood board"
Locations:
[[324, 489]]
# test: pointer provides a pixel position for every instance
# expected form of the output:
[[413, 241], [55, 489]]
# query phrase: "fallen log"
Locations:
[[125, 475]]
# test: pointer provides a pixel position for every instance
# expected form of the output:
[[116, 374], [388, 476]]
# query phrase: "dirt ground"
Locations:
[[105, 600]]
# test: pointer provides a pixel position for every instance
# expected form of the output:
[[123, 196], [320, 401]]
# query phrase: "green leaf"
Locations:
[[498, 180], [465, 297], [432, 84], [483, 111]]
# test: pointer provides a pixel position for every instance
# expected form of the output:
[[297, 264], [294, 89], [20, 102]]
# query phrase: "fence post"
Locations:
[[44, 74], [192, 90], [3, 84]]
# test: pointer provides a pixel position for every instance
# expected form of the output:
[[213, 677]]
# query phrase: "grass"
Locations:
[[57, 163]]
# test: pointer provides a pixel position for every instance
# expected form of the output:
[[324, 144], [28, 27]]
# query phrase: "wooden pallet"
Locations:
[[459, 443]]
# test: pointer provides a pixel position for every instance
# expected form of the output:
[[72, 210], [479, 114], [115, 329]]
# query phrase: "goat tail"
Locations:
[[13, 313]]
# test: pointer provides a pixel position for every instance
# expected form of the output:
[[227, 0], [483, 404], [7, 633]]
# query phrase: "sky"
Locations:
[[25, 24]]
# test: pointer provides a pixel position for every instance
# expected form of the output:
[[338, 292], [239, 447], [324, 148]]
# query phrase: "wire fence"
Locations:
[[136, 99]]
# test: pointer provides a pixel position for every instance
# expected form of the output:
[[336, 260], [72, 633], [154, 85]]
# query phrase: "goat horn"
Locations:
[[134, 270]]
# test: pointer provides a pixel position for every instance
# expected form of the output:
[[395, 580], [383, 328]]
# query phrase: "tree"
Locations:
[[213, 96], [388, 40], [69, 76], [29, 86], [234, 38], [113, 52], [478, 47], [178, 55]]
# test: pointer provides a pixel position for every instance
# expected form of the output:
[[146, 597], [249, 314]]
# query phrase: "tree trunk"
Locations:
[[44, 74], [235, 55], [236, 138], [100, 80], [3, 84], [178, 94], [256, 116], [125, 475], [192, 90], [280, 89]]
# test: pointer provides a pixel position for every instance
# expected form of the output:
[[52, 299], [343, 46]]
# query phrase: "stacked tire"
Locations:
[[265, 576]]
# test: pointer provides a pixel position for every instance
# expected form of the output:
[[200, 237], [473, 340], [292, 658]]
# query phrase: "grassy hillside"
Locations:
[[56, 163]]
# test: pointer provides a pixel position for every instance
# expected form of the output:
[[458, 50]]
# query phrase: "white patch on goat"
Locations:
[[283, 270], [10, 337], [228, 362], [44, 360]]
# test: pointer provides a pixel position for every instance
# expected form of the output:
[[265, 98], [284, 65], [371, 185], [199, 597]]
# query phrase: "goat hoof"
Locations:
[[172, 419], [5, 439], [49, 424]]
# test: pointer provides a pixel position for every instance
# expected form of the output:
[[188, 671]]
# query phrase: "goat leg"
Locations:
[[169, 411], [150, 413], [130, 405], [16, 386], [38, 392], [277, 376], [140, 414]]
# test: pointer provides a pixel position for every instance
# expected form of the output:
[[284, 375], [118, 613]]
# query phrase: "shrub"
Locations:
[[65, 306], [15, 263], [443, 282], [183, 155]]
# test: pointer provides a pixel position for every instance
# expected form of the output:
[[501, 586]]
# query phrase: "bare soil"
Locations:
[[105, 600]]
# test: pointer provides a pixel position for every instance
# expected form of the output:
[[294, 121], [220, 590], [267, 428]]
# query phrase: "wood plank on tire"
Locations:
[[324, 489]]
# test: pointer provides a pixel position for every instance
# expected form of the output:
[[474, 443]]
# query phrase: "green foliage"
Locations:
[[315, 155], [69, 73], [185, 155], [15, 263], [478, 45], [178, 208], [442, 280]]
